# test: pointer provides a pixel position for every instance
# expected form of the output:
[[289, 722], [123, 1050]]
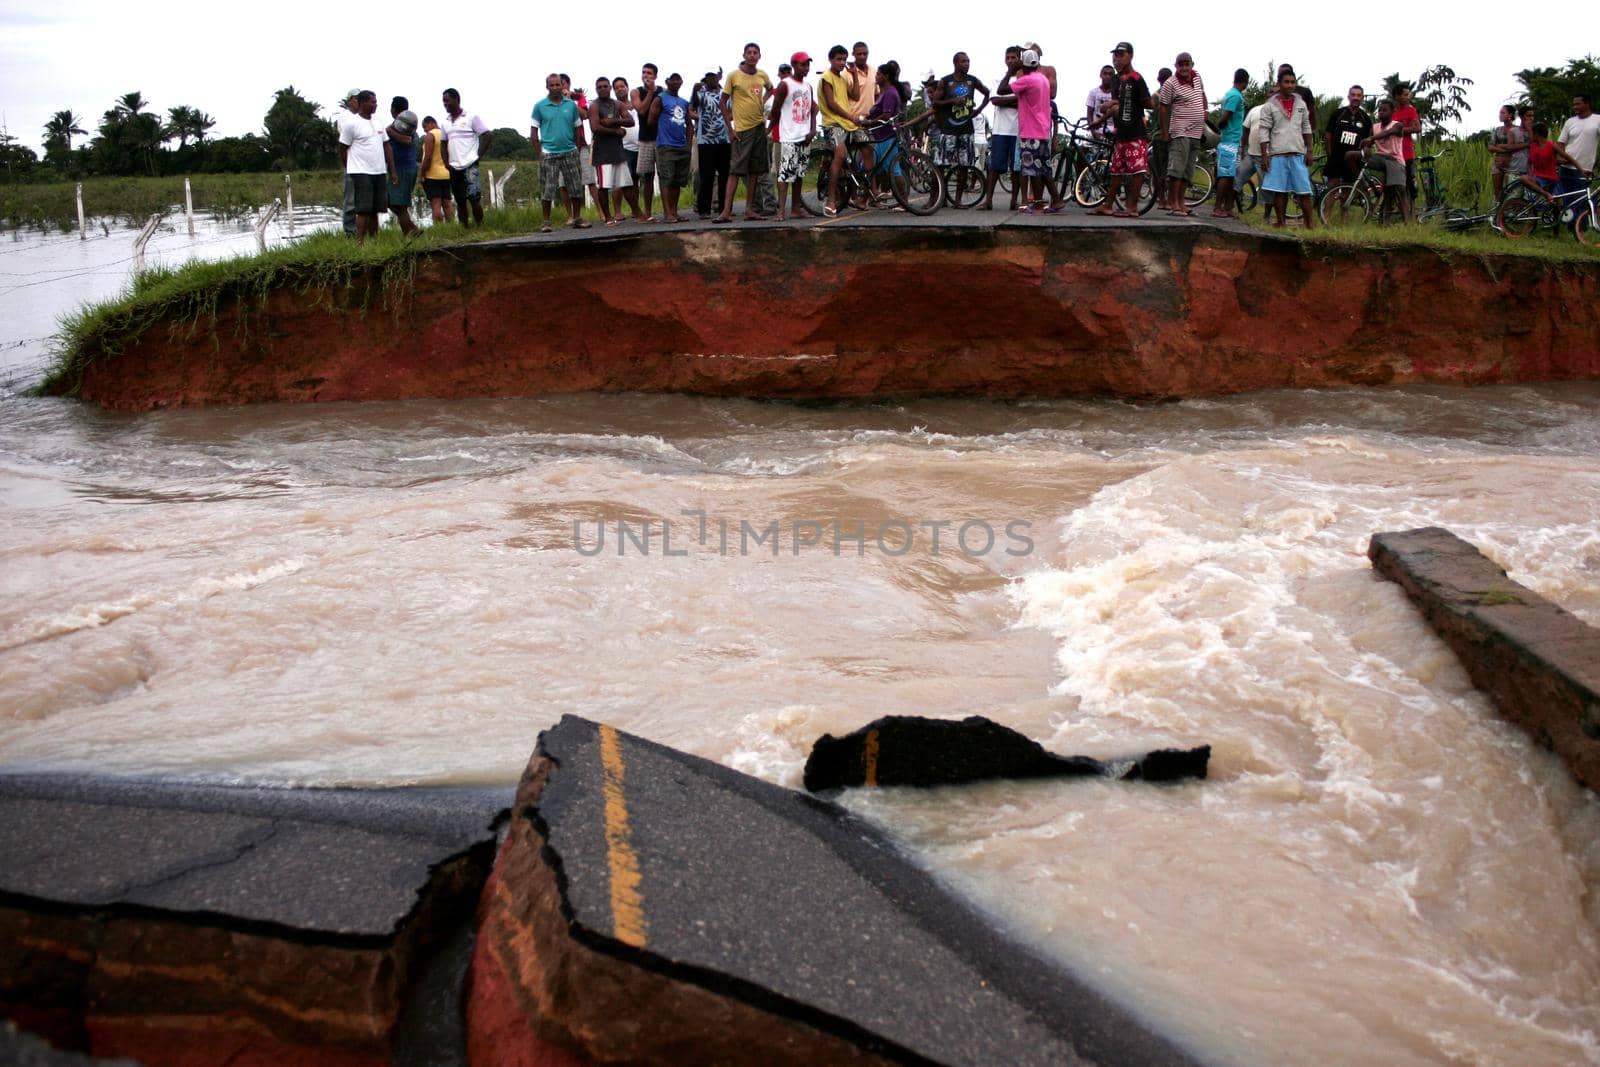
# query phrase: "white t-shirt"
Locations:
[[630, 135], [1579, 136], [364, 138], [1002, 120], [461, 138], [794, 124], [1252, 139], [1100, 124]]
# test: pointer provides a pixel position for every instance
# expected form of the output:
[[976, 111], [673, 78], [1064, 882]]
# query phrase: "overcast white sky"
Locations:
[[229, 60]]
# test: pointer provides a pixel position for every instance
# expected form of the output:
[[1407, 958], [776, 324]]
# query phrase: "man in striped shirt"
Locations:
[[1181, 104]]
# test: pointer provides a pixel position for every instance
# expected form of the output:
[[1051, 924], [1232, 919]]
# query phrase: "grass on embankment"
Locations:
[[192, 294], [1482, 241]]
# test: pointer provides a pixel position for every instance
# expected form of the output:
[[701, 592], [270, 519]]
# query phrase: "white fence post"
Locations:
[[491, 189], [500, 186], [188, 205], [261, 224], [142, 240], [83, 234], [288, 200]]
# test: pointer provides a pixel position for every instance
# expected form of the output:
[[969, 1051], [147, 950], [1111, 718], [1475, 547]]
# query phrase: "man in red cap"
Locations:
[[1130, 154], [794, 123]]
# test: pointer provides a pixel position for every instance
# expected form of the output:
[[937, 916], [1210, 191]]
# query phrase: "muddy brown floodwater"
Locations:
[[1378, 870]]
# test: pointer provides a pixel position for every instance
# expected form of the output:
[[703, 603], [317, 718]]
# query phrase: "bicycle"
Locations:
[[917, 184], [1520, 214], [1436, 203]]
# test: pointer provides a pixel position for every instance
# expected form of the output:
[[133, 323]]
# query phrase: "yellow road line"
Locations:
[[627, 903], [869, 756]]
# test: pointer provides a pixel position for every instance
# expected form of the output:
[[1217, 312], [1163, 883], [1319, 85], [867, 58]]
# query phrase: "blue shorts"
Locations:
[[1002, 153], [1288, 175], [400, 194], [1227, 159], [880, 152]]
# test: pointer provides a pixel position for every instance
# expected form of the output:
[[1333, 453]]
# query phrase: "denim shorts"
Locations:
[[1002, 153]]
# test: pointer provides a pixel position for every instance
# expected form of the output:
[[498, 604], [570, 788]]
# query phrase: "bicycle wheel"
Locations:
[[1517, 217], [1588, 229], [1147, 195], [814, 190], [1343, 205], [964, 186], [1090, 188], [920, 188], [1244, 197], [1202, 183]]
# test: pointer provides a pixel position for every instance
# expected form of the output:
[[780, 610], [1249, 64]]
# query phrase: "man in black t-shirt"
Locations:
[[1130, 154], [1347, 128]]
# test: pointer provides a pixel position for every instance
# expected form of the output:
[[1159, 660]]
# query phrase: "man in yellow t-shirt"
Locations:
[[743, 97], [838, 120]]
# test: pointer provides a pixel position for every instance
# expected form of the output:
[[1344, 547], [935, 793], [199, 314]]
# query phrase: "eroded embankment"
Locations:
[[820, 312]]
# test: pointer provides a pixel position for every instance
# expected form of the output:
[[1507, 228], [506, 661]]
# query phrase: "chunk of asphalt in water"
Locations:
[[913, 750]]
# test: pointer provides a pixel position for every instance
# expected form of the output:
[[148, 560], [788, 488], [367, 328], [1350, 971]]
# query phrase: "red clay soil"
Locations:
[[823, 313]]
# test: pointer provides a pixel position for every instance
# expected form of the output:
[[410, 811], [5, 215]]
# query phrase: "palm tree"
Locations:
[[201, 125], [132, 103], [180, 124], [61, 128]]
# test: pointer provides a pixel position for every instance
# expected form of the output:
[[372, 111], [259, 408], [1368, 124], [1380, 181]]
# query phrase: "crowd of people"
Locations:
[[618, 147]]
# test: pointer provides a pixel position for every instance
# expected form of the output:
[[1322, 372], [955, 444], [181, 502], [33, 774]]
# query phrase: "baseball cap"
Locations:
[[1030, 58], [1123, 46], [800, 57], [348, 93]]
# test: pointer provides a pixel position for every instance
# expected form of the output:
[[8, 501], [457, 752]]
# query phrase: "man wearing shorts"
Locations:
[[672, 147], [369, 162], [402, 133], [553, 135], [1003, 133], [794, 119], [466, 138], [955, 99], [609, 121], [1130, 153], [1181, 105], [1035, 130], [1231, 124], [1286, 137], [646, 101], [743, 108], [435, 175]]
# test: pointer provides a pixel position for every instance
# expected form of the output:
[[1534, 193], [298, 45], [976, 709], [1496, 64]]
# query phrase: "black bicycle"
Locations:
[[908, 173]]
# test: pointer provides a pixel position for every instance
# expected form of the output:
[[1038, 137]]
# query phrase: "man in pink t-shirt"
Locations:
[[1035, 132]]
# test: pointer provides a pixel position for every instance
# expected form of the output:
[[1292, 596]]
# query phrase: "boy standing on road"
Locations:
[[794, 118], [1286, 150], [646, 101], [1035, 130], [1003, 133], [672, 147]]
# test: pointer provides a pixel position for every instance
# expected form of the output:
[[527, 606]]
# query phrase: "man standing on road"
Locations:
[[1505, 142], [863, 94], [1410, 123], [1231, 125], [712, 142], [743, 109], [1003, 133], [369, 162], [1286, 138], [466, 140], [1130, 155], [646, 101], [794, 117], [1347, 129], [554, 136], [1035, 134], [672, 147], [1579, 136], [351, 110], [955, 100], [1182, 111], [402, 134]]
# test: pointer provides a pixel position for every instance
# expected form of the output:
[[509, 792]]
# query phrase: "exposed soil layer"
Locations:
[[893, 311]]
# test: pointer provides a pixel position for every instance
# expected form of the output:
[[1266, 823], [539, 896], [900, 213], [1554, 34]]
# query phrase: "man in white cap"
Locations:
[[351, 98]]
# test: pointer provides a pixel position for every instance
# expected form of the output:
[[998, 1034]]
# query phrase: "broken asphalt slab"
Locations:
[[737, 921]]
